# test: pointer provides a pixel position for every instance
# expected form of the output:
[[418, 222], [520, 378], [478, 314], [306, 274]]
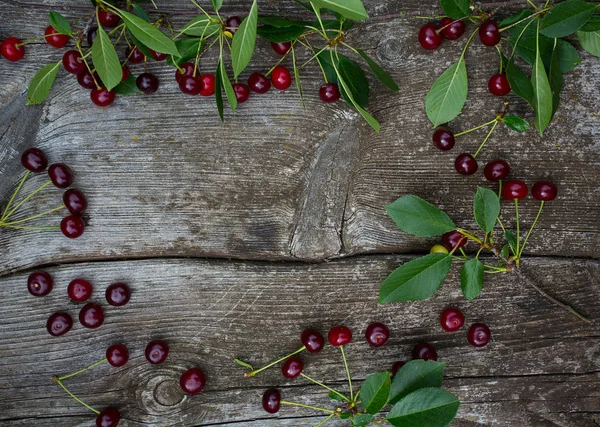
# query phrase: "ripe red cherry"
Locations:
[[292, 367], [39, 283], [479, 335], [190, 85], [329, 92], [233, 23], [118, 294], [192, 381], [102, 97], [453, 239], [159, 56], [91, 315], [281, 48], [465, 164], [117, 355], [242, 92], [60, 175], [496, 170], [451, 29], [34, 160], [157, 352], [72, 226], [514, 189], [108, 19], [544, 190], [54, 38], [498, 85], [75, 201], [281, 78], [271, 400], [312, 340], [147, 83], [429, 38], [79, 290], [452, 319], [377, 334], [108, 417], [489, 33], [424, 351], [443, 139], [187, 69], [59, 324], [397, 366], [208, 84], [259, 83], [73, 62], [135, 56], [10, 49], [339, 335], [86, 80], [126, 72]]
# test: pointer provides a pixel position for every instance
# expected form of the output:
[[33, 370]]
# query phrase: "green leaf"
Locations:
[[351, 9], [379, 72], [486, 208], [188, 48], [590, 41], [59, 23], [519, 82], [140, 12], [593, 24], [356, 80], [542, 94], [471, 277], [40, 85], [555, 77], [229, 92], [200, 26], [217, 4], [242, 46], [415, 375], [513, 19], [568, 57], [278, 22], [148, 34], [427, 407], [415, 280], [418, 217], [345, 415], [335, 396], [516, 123], [567, 17], [219, 91], [448, 94], [362, 420], [505, 252], [280, 34], [456, 9], [512, 240], [106, 60], [127, 87], [244, 364], [374, 392]]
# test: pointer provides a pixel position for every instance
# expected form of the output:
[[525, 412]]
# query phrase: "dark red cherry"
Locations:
[[292, 367], [259, 83], [271, 400], [34, 160], [86, 80], [59, 324], [424, 351], [339, 335], [39, 283], [72, 226], [60, 175], [479, 335], [192, 381], [443, 139], [54, 38], [118, 294], [429, 38], [233, 23], [281, 78], [187, 69], [126, 72], [514, 189], [12, 49], [75, 201], [147, 83], [117, 355], [329, 92], [312, 340], [108, 19], [102, 97], [489, 33], [496, 170], [453, 239], [452, 319], [498, 85], [79, 290], [190, 85], [544, 190], [108, 417], [159, 56], [208, 84], [91, 35], [465, 164], [451, 29], [73, 62], [135, 56], [281, 48], [242, 92], [377, 334], [91, 315], [397, 366], [157, 352]]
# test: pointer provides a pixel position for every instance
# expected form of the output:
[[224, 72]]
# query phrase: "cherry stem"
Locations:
[[33, 193], [4, 224], [318, 15], [278, 62], [75, 397], [325, 420], [500, 56], [12, 199], [476, 128], [439, 30], [531, 229], [343, 396], [316, 408], [256, 371], [64, 377], [347, 372], [485, 140]]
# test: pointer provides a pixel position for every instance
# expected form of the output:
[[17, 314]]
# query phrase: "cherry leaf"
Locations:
[[42, 82], [447, 96]]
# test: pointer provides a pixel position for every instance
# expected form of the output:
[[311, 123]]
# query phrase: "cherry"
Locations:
[[438, 249], [208, 84], [157, 351], [479, 335], [489, 33], [91, 35], [59, 324], [496, 170], [86, 80], [72, 226], [79, 290], [451, 29], [514, 189], [91, 315], [187, 69], [190, 85], [118, 294], [281, 78], [147, 83], [103, 97], [271, 400], [108, 19], [12, 49], [312, 340], [54, 38], [443, 139], [60, 175], [465, 164], [242, 92], [544, 190], [259, 83], [329, 92], [108, 417], [39, 283], [281, 48], [126, 72], [452, 319], [75, 201], [429, 38], [453, 240], [377, 334], [339, 335], [34, 160], [117, 355], [233, 23], [424, 351], [498, 85], [192, 381], [397, 366], [135, 56], [292, 367], [73, 62], [159, 56]]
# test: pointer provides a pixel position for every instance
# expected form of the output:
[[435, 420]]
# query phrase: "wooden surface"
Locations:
[[230, 225]]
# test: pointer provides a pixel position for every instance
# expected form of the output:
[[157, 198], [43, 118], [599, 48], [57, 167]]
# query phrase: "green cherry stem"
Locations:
[[343, 396], [475, 128], [326, 419], [64, 377], [75, 397], [318, 15], [347, 372], [518, 231], [256, 371], [12, 199], [4, 224], [531, 229], [33, 193], [485, 140], [302, 405]]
